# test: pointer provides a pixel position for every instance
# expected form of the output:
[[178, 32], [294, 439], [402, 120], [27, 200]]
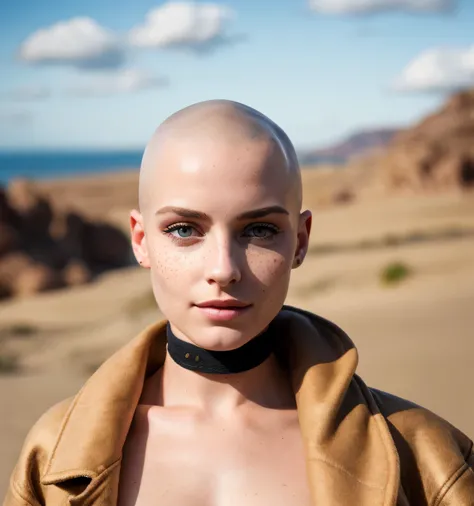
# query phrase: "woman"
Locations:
[[234, 398]]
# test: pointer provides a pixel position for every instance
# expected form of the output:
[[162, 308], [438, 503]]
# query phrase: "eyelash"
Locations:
[[176, 226]]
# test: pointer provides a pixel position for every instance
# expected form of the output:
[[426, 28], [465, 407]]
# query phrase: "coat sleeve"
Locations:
[[15, 497], [459, 489], [25, 487], [436, 458]]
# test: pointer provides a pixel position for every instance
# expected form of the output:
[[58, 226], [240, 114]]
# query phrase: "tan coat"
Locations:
[[363, 447]]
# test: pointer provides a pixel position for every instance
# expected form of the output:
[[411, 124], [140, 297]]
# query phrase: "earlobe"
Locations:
[[303, 238], [138, 238], [307, 218]]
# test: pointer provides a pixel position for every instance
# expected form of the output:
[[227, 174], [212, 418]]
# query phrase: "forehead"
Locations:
[[229, 175]]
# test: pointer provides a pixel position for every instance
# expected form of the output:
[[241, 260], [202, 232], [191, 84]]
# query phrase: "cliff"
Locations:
[[44, 248], [437, 153]]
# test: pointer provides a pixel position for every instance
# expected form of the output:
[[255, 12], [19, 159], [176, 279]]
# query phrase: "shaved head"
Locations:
[[218, 121], [220, 216]]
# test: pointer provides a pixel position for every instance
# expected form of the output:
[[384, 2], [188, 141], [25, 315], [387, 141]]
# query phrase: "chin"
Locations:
[[220, 338]]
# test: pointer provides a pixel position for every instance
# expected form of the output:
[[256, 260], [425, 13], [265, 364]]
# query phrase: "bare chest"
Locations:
[[202, 464]]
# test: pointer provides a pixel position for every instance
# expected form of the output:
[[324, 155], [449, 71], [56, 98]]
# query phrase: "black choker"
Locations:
[[242, 359]]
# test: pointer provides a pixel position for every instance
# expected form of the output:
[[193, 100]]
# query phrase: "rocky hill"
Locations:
[[356, 144], [44, 248], [436, 154]]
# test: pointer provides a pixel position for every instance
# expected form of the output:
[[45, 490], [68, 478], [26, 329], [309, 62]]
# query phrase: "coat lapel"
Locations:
[[349, 451]]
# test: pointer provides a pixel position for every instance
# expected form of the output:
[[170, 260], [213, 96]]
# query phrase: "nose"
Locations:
[[222, 266]]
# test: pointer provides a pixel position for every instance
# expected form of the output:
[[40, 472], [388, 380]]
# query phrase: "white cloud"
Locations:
[[79, 42], [438, 70], [16, 118], [182, 24], [124, 81], [372, 6], [29, 93]]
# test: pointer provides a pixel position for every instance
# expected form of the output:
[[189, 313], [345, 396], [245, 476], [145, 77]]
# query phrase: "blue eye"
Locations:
[[262, 231], [183, 231]]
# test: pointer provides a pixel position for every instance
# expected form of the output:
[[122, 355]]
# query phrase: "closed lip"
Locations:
[[224, 303]]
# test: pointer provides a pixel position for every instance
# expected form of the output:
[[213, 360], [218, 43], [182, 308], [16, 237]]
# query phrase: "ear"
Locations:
[[137, 233], [304, 230]]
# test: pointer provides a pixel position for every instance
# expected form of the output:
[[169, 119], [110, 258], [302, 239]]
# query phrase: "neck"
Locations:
[[266, 385]]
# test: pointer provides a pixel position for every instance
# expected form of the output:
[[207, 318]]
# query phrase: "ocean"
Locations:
[[59, 164], [56, 164]]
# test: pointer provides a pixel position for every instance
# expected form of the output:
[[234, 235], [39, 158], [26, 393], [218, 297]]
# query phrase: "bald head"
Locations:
[[220, 215], [184, 140]]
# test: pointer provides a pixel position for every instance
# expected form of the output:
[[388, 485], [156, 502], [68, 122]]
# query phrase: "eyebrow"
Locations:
[[248, 215]]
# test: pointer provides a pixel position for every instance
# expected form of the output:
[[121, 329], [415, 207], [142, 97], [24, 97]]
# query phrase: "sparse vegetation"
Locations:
[[17, 331], [9, 363], [319, 286], [393, 240], [22, 330], [394, 273]]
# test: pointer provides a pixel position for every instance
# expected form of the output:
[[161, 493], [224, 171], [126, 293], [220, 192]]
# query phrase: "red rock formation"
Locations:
[[358, 144], [33, 211], [437, 154], [76, 272], [9, 238], [43, 249]]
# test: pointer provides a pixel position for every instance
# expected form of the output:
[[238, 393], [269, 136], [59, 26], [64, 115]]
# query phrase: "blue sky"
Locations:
[[320, 68]]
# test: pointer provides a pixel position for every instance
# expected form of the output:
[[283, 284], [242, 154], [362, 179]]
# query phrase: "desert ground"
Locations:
[[415, 336]]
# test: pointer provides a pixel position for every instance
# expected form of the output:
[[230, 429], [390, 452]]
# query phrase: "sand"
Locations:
[[415, 338]]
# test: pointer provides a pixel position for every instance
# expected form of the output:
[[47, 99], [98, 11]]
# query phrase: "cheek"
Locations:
[[269, 267], [170, 269]]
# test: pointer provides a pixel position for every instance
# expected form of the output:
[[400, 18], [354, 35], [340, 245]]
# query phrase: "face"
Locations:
[[221, 227]]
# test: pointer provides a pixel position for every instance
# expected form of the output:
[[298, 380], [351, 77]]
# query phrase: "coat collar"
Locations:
[[349, 450]]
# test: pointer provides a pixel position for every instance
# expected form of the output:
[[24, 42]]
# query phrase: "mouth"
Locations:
[[223, 309], [223, 304]]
